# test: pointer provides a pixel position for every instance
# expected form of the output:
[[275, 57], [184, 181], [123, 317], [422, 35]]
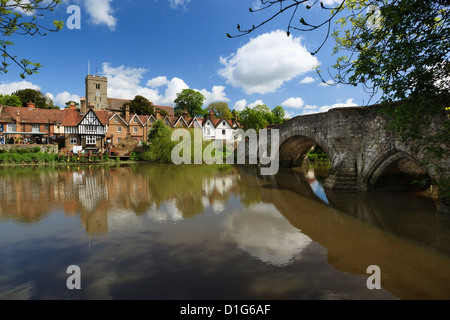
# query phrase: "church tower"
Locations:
[[96, 92]]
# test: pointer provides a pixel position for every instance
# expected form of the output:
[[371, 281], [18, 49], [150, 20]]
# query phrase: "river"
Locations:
[[199, 232]]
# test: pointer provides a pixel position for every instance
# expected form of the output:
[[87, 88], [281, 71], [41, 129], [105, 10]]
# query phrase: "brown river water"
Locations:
[[198, 232]]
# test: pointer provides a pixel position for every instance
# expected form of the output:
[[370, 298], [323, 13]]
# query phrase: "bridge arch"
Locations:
[[293, 149], [395, 170]]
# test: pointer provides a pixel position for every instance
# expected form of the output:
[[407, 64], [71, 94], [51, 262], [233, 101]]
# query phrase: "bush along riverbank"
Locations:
[[34, 156]]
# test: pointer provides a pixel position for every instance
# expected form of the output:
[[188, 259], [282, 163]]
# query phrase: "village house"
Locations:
[[30, 125], [99, 123], [218, 129]]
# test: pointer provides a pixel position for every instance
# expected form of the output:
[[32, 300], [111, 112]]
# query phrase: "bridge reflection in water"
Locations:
[[196, 226], [403, 234]]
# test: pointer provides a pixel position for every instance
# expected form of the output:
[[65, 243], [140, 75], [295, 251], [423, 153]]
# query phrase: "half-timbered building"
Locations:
[[85, 131]]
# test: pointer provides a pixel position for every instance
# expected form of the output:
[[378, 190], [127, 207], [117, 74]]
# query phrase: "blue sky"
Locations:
[[156, 48]]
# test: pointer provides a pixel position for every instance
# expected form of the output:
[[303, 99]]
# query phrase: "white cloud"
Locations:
[[176, 85], [217, 94], [255, 103], [295, 103], [266, 62], [307, 80], [240, 105], [174, 4], [63, 97], [309, 109], [101, 12], [10, 87], [125, 83], [157, 82]]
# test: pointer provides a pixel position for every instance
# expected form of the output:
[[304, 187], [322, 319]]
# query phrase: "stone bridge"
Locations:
[[364, 154]]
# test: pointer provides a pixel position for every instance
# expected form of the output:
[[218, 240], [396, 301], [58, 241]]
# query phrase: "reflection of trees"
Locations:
[[29, 194]]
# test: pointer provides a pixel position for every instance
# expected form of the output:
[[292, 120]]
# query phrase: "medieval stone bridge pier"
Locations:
[[364, 154]]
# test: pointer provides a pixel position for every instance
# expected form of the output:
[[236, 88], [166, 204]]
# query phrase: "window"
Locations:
[[151, 121], [223, 132], [135, 130], [91, 140], [224, 123], [167, 122], [135, 120], [208, 132], [97, 86], [90, 129], [11, 127], [34, 128], [46, 127], [119, 129], [73, 140], [116, 120]]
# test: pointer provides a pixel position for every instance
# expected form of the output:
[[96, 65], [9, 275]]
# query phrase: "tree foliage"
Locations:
[[160, 142], [260, 116], [140, 106], [252, 118], [38, 98], [221, 110], [278, 115], [23, 18], [10, 100], [190, 100]]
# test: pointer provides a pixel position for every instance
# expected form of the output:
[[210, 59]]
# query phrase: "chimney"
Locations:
[[211, 114], [127, 113], [31, 105], [91, 105], [83, 105], [158, 114], [17, 120], [185, 114], [72, 105]]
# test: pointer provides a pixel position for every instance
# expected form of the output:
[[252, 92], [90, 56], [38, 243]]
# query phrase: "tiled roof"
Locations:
[[71, 118], [32, 115], [116, 104], [168, 109]]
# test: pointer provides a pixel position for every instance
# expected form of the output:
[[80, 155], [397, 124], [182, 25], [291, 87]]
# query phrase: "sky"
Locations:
[[157, 48]]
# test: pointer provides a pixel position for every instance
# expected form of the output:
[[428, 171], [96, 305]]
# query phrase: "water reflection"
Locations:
[[261, 231], [178, 223]]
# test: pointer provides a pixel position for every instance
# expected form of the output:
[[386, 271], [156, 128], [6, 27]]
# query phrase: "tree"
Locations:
[[140, 106], [397, 50], [35, 96], [10, 100], [278, 115], [221, 110], [160, 138], [251, 118], [190, 100], [22, 18]]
